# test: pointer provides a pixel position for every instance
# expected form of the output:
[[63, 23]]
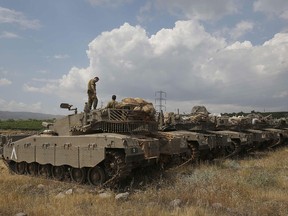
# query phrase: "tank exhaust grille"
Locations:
[[121, 115], [117, 114]]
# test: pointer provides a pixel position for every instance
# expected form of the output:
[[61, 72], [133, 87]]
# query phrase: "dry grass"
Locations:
[[257, 185]]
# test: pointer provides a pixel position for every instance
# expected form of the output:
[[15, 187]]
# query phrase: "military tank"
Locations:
[[195, 130], [252, 132], [98, 146], [273, 130]]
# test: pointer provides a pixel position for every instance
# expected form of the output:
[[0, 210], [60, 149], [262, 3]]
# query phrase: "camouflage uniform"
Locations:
[[92, 97], [112, 104]]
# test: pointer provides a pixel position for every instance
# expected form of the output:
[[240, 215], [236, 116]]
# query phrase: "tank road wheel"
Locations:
[[58, 172], [44, 170], [78, 175], [233, 148], [96, 176], [20, 168], [114, 163], [32, 169], [276, 143]]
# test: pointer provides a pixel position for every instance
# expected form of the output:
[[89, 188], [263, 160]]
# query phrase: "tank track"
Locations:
[[193, 157], [114, 170], [10, 169], [278, 143]]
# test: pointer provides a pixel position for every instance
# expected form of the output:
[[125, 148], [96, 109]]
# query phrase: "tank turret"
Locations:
[[128, 117]]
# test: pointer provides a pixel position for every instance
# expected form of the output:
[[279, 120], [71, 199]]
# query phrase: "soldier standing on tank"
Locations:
[[92, 96], [112, 104]]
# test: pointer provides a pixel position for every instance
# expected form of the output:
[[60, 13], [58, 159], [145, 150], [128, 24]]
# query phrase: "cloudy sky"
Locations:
[[229, 55]]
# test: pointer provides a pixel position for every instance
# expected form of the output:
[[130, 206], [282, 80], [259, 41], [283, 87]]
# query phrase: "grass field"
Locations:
[[27, 125], [256, 185]]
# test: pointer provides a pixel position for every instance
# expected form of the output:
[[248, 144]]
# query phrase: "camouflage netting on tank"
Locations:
[[237, 120], [199, 117], [137, 104], [199, 109], [199, 113], [258, 118]]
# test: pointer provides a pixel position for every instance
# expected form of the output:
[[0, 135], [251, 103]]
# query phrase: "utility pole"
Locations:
[[160, 97]]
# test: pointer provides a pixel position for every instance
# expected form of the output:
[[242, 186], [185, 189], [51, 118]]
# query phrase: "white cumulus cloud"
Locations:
[[189, 64], [239, 45]]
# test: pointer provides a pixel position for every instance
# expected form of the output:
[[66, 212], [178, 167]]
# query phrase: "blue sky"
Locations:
[[228, 55]]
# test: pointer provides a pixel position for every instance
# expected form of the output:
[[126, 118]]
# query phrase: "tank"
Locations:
[[99, 146], [274, 131], [195, 128], [259, 132]]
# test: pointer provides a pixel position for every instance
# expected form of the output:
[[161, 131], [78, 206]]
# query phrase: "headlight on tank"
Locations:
[[229, 139]]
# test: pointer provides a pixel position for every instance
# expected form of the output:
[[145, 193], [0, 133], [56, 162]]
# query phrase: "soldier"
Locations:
[[112, 104], [92, 97]]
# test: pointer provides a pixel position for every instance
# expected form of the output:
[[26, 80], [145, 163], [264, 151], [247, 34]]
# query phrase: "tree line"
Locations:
[[274, 114], [30, 124]]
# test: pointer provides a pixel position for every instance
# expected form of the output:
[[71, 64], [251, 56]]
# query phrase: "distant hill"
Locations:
[[5, 115]]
